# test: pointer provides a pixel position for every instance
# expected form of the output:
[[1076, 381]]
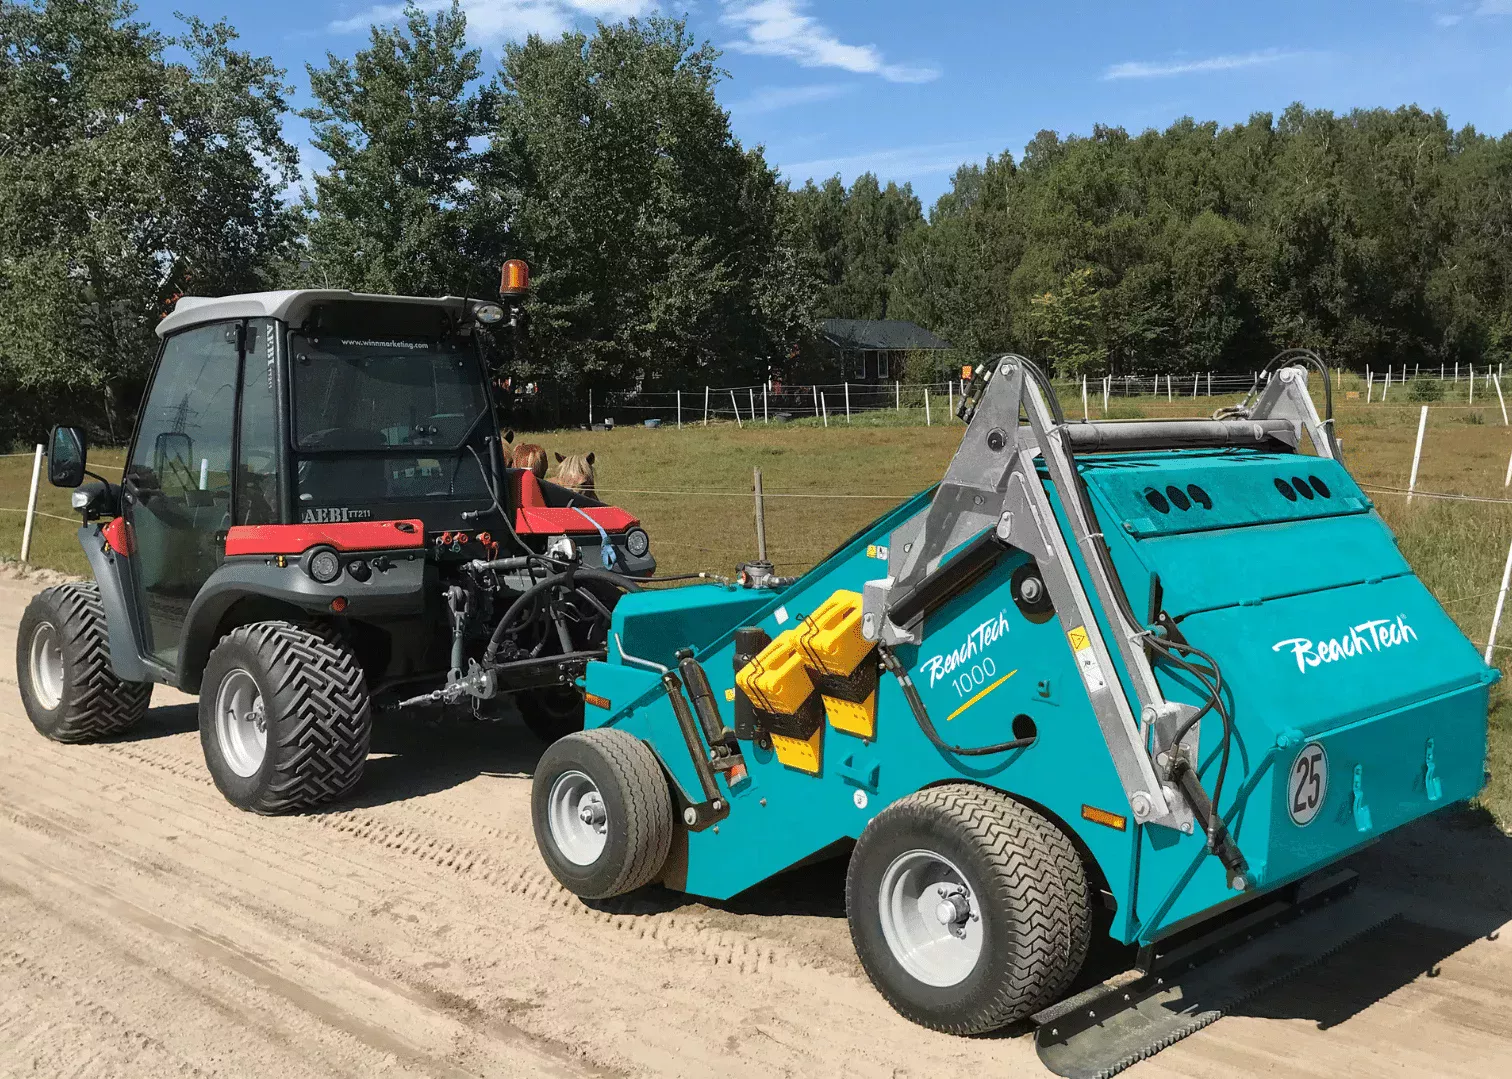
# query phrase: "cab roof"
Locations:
[[288, 305]]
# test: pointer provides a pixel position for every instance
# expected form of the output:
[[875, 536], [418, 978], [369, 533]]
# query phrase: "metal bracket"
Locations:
[[1285, 397]]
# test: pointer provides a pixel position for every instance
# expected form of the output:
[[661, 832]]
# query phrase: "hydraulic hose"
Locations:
[[556, 580]]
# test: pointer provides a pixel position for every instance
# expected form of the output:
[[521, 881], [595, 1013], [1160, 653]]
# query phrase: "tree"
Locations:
[[854, 238], [401, 208], [660, 247], [124, 179]]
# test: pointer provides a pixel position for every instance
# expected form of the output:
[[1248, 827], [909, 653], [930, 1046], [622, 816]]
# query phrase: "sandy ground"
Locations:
[[147, 928]]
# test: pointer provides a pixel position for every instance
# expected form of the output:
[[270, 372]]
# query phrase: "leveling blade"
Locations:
[[1115, 1025]]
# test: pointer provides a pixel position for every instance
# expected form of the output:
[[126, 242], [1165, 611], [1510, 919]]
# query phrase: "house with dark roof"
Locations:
[[874, 350]]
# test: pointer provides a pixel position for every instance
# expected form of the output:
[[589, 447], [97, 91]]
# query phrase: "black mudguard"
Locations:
[[114, 576], [394, 592]]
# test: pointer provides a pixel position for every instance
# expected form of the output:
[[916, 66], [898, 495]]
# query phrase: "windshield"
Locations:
[[415, 398], [353, 394]]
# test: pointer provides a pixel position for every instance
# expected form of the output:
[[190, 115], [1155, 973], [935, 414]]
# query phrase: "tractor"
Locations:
[[316, 520], [1128, 689]]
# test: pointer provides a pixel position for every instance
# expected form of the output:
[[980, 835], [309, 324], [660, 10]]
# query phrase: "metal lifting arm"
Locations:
[[992, 493]]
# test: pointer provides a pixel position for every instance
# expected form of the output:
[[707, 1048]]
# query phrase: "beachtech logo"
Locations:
[[1374, 636], [975, 644], [334, 515]]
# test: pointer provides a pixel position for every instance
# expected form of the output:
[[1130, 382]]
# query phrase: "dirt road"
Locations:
[[147, 928]]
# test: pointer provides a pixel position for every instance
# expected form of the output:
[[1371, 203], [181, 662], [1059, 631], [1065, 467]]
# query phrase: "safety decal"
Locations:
[[1308, 784], [781, 615], [1086, 659]]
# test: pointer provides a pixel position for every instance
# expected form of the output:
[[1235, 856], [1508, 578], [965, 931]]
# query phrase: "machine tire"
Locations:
[[1025, 881], [552, 714], [317, 717], [86, 702], [637, 809]]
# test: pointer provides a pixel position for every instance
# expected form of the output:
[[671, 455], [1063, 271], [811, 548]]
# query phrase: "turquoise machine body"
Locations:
[[1273, 562]]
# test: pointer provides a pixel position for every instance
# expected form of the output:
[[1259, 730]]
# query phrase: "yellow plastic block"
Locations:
[[830, 638], [776, 680], [858, 719], [803, 754]]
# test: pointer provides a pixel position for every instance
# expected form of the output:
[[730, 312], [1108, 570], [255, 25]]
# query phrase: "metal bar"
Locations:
[[761, 548], [1103, 435]]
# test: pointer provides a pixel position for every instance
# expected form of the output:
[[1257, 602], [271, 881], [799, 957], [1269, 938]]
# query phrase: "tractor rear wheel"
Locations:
[[285, 718], [968, 910], [602, 812], [63, 668], [552, 713]]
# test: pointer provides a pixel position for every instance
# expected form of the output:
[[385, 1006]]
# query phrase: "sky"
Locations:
[[912, 90]]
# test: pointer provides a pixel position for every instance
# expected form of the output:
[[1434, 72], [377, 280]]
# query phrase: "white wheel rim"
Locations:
[[241, 727], [47, 666], [577, 818], [931, 918]]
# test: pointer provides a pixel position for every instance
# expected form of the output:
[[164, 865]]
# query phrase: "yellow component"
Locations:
[[830, 638], [858, 719], [1078, 638], [730, 694], [803, 754], [776, 680]]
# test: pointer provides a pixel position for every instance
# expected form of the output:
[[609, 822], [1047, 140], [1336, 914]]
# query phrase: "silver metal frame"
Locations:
[[992, 482]]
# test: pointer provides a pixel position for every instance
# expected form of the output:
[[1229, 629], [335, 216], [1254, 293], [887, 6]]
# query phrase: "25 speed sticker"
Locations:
[[1308, 785]]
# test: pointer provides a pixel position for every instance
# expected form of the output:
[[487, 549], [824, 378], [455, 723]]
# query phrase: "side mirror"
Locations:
[[67, 451]]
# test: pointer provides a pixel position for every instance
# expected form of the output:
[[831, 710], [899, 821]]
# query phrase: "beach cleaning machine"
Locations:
[[1146, 680]]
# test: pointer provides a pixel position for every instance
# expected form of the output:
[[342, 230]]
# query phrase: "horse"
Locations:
[[529, 455], [575, 472]]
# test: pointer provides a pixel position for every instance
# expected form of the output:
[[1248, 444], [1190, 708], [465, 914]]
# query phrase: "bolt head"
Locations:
[[690, 816], [1140, 803]]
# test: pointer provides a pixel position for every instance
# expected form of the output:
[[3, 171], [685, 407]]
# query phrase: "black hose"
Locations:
[[921, 714], [531, 594]]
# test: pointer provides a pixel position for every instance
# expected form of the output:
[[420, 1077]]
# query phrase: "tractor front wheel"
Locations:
[[968, 910], [285, 718], [68, 688]]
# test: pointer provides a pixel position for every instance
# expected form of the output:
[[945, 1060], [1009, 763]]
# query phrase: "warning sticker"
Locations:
[[1086, 659]]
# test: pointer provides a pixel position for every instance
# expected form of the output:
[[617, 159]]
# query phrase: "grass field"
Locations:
[[692, 488]]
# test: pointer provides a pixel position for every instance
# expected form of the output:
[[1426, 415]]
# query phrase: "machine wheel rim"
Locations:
[[241, 725], [931, 918], [577, 818], [46, 661]]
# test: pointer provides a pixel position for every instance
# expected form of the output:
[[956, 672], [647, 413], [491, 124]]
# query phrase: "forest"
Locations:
[[138, 164]]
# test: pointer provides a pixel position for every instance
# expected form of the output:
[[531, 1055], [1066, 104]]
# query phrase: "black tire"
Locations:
[[637, 806], [317, 717], [1026, 882], [87, 702], [551, 714]]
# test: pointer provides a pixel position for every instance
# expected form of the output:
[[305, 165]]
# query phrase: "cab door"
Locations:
[[176, 489]]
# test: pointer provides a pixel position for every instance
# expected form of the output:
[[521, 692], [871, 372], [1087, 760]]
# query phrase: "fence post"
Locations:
[[753, 402], [1210, 384], [926, 407], [1195, 377], [1501, 598], [824, 405], [847, 402], [706, 405], [1369, 385], [1472, 383], [679, 410], [1417, 451], [1501, 400], [31, 504], [760, 521], [1508, 481], [1386, 388], [590, 406], [1170, 393], [1085, 414], [898, 396], [949, 400], [766, 415], [736, 407], [816, 401]]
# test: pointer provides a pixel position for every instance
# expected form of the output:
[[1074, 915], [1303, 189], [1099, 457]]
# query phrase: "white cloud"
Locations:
[[1142, 69], [1448, 20], [493, 21], [902, 162], [780, 28], [772, 98]]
